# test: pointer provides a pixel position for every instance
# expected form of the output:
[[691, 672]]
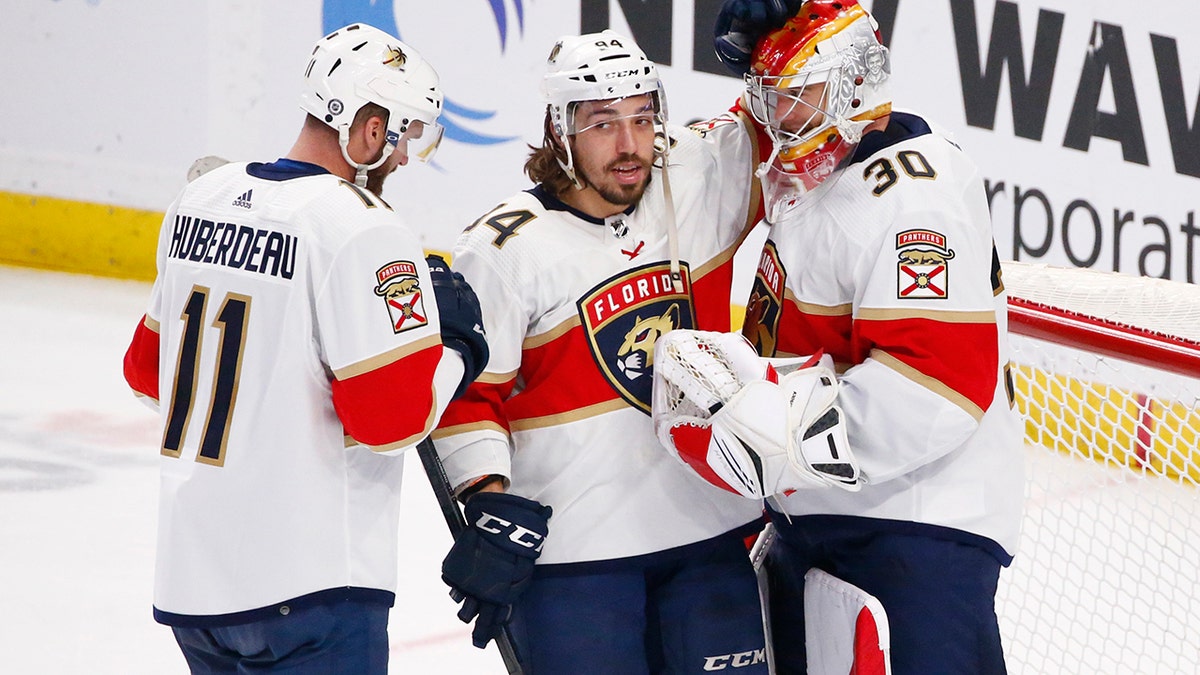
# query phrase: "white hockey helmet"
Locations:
[[596, 67], [360, 64], [815, 84]]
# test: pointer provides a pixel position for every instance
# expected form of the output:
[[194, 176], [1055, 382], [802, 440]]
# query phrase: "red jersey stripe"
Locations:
[[933, 348], [381, 407], [962, 356], [560, 376], [710, 294], [803, 333], [141, 361], [482, 402]]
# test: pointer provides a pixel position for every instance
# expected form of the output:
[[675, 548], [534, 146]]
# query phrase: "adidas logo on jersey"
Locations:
[[244, 200]]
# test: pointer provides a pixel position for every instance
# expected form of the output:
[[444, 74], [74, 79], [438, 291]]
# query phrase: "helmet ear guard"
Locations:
[[360, 64]]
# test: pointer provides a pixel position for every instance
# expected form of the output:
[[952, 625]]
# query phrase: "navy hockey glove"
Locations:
[[461, 319], [492, 560], [741, 23]]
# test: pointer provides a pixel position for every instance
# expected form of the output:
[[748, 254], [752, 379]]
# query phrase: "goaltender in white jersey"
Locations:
[[884, 299], [881, 255]]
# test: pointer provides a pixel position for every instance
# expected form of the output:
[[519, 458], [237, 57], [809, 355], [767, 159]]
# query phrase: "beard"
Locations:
[[376, 176], [613, 192], [375, 180]]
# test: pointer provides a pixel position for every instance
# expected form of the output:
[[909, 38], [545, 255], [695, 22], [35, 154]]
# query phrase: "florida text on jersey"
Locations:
[[573, 305]]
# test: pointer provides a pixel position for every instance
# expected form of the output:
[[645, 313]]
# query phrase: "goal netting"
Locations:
[[1106, 373]]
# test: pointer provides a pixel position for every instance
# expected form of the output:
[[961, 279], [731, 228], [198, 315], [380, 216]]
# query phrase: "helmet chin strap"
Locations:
[[672, 225], [851, 131], [568, 167], [360, 170], [765, 166]]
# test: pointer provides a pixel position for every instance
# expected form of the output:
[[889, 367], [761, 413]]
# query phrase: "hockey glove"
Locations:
[[461, 319], [744, 426], [492, 560], [741, 23]]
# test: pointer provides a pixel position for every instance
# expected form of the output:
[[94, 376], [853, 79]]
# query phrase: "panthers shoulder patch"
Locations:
[[400, 288], [923, 268]]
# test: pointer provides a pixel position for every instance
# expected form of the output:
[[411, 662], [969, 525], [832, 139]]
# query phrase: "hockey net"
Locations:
[[1106, 373]]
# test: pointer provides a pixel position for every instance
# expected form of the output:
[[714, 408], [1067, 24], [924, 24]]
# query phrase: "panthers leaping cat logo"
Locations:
[[636, 355], [755, 326], [916, 256]]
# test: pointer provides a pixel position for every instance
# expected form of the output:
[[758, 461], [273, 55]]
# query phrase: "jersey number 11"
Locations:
[[232, 319]]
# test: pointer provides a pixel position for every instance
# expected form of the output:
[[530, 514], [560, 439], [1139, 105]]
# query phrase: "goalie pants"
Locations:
[[692, 609], [938, 591], [338, 637]]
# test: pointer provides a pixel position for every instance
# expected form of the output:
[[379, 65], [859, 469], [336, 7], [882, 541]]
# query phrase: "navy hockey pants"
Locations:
[[340, 638], [693, 609], [939, 595]]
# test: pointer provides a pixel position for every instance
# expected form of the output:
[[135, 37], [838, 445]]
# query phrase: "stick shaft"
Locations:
[[457, 522]]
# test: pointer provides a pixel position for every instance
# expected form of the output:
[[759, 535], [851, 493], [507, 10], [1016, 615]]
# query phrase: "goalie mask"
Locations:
[[815, 85], [601, 66], [361, 64]]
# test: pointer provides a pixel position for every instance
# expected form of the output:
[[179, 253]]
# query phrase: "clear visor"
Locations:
[[610, 115], [423, 140]]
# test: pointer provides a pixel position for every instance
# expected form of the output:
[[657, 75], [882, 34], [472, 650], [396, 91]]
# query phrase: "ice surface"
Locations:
[[78, 500]]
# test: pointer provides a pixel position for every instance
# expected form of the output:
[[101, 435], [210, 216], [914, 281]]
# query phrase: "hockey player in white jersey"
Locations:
[[880, 255], [629, 233], [296, 343]]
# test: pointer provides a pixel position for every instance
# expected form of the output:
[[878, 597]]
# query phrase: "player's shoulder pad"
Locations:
[[726, 122], [340, 209], [213, 180], [517, 241], [691, 148], [501, 226]]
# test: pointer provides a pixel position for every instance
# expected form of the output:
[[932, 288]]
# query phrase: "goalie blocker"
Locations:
[[755, 427]]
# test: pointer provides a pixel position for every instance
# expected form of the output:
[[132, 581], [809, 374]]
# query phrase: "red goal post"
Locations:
[[1106, 374]]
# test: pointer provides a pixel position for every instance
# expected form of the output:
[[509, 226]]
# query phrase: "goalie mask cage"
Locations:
[[1106, 374]]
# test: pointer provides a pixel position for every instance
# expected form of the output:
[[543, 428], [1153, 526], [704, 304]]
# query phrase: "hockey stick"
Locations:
[[434, 470], [457, 522], [203, 165], [758, 556]]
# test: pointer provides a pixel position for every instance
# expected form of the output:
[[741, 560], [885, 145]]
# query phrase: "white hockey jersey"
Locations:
[[573, 306], [894, 273], [293, 336]]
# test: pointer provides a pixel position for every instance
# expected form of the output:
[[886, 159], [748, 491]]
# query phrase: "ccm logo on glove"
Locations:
[[521, 536]]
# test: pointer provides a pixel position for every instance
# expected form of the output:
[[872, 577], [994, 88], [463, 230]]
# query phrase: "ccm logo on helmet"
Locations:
[[518, 535], [616, 75], [736, 660]]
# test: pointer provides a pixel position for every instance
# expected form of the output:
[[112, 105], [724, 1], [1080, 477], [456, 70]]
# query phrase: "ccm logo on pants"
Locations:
[[738, 660]]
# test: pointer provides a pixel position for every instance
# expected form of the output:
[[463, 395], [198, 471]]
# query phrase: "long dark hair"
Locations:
[[543, 166]]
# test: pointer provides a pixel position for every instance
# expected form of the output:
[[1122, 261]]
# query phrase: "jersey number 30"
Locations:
[[232, 319], [884, 172]]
